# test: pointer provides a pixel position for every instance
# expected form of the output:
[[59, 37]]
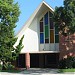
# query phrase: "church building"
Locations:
[[43, 45]]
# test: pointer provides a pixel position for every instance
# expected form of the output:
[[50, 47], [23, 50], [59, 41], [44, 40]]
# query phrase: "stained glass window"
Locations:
[[51, 23], [56, 30], [46, 32], [46, 18], [56, 38], [51, 36], [41, 26], [41, 37], [56, 35]]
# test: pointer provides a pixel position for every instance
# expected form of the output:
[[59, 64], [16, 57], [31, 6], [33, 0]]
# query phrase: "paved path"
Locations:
[[38, 72], [33, 74]]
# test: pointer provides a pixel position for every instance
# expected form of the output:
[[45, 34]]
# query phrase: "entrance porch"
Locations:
[[38, 60]]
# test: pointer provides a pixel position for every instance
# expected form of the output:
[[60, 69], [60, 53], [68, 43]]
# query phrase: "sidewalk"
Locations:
[[5, 73], [38, 71]]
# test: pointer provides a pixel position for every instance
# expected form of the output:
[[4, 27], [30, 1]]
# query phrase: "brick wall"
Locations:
[[27, 57], [66, 46]]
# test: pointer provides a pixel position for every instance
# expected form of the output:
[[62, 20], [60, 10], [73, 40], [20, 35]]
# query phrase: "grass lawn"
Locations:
[[66, 70]]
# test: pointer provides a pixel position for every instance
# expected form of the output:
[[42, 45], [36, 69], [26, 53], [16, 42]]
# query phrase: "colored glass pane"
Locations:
[[46, 40], [51, 36], [46, 32], [41, 26], [46, 18], [51, 23], [50, 14], [56, 38], [56, 30], [41, 38]]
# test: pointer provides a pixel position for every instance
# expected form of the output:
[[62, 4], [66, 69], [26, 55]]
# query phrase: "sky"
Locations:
[[27, 7]]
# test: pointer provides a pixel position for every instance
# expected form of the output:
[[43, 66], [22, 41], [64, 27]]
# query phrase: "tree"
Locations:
[[64, 17], [9, 13], [18, 48]]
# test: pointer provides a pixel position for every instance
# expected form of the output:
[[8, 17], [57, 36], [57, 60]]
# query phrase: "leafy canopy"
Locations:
[[64, 17], [9, 13]]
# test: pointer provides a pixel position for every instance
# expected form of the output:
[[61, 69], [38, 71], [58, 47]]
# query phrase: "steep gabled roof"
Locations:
[[28, 22]]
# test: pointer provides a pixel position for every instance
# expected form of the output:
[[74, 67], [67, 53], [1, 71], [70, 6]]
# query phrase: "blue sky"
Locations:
[[27, 7]]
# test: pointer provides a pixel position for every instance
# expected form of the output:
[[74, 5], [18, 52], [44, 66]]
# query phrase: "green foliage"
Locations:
[[17, 49], [73, 63], [67, 63], [9, 13], [8, 66], [0, 67], [64, 17]]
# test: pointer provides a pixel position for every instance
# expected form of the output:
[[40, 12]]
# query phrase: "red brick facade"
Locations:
[[27, 59], [66, 46]]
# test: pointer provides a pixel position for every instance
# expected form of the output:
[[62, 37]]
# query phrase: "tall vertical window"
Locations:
[[41, 37], [56, 35], [46, 18], [51, 25], [41, 31], [46, 27], [41, 26], [51, 36], [48, 34]]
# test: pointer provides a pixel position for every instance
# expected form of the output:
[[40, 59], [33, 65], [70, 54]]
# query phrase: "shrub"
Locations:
[[67, 63], [0, 67], [74, 62], [62, 63], [8, 66]]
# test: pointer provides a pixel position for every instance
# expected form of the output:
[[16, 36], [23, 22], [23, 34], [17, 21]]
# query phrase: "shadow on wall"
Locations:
[[67, 46]]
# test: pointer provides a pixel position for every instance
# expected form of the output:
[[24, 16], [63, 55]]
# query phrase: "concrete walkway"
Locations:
[[38, 71]]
